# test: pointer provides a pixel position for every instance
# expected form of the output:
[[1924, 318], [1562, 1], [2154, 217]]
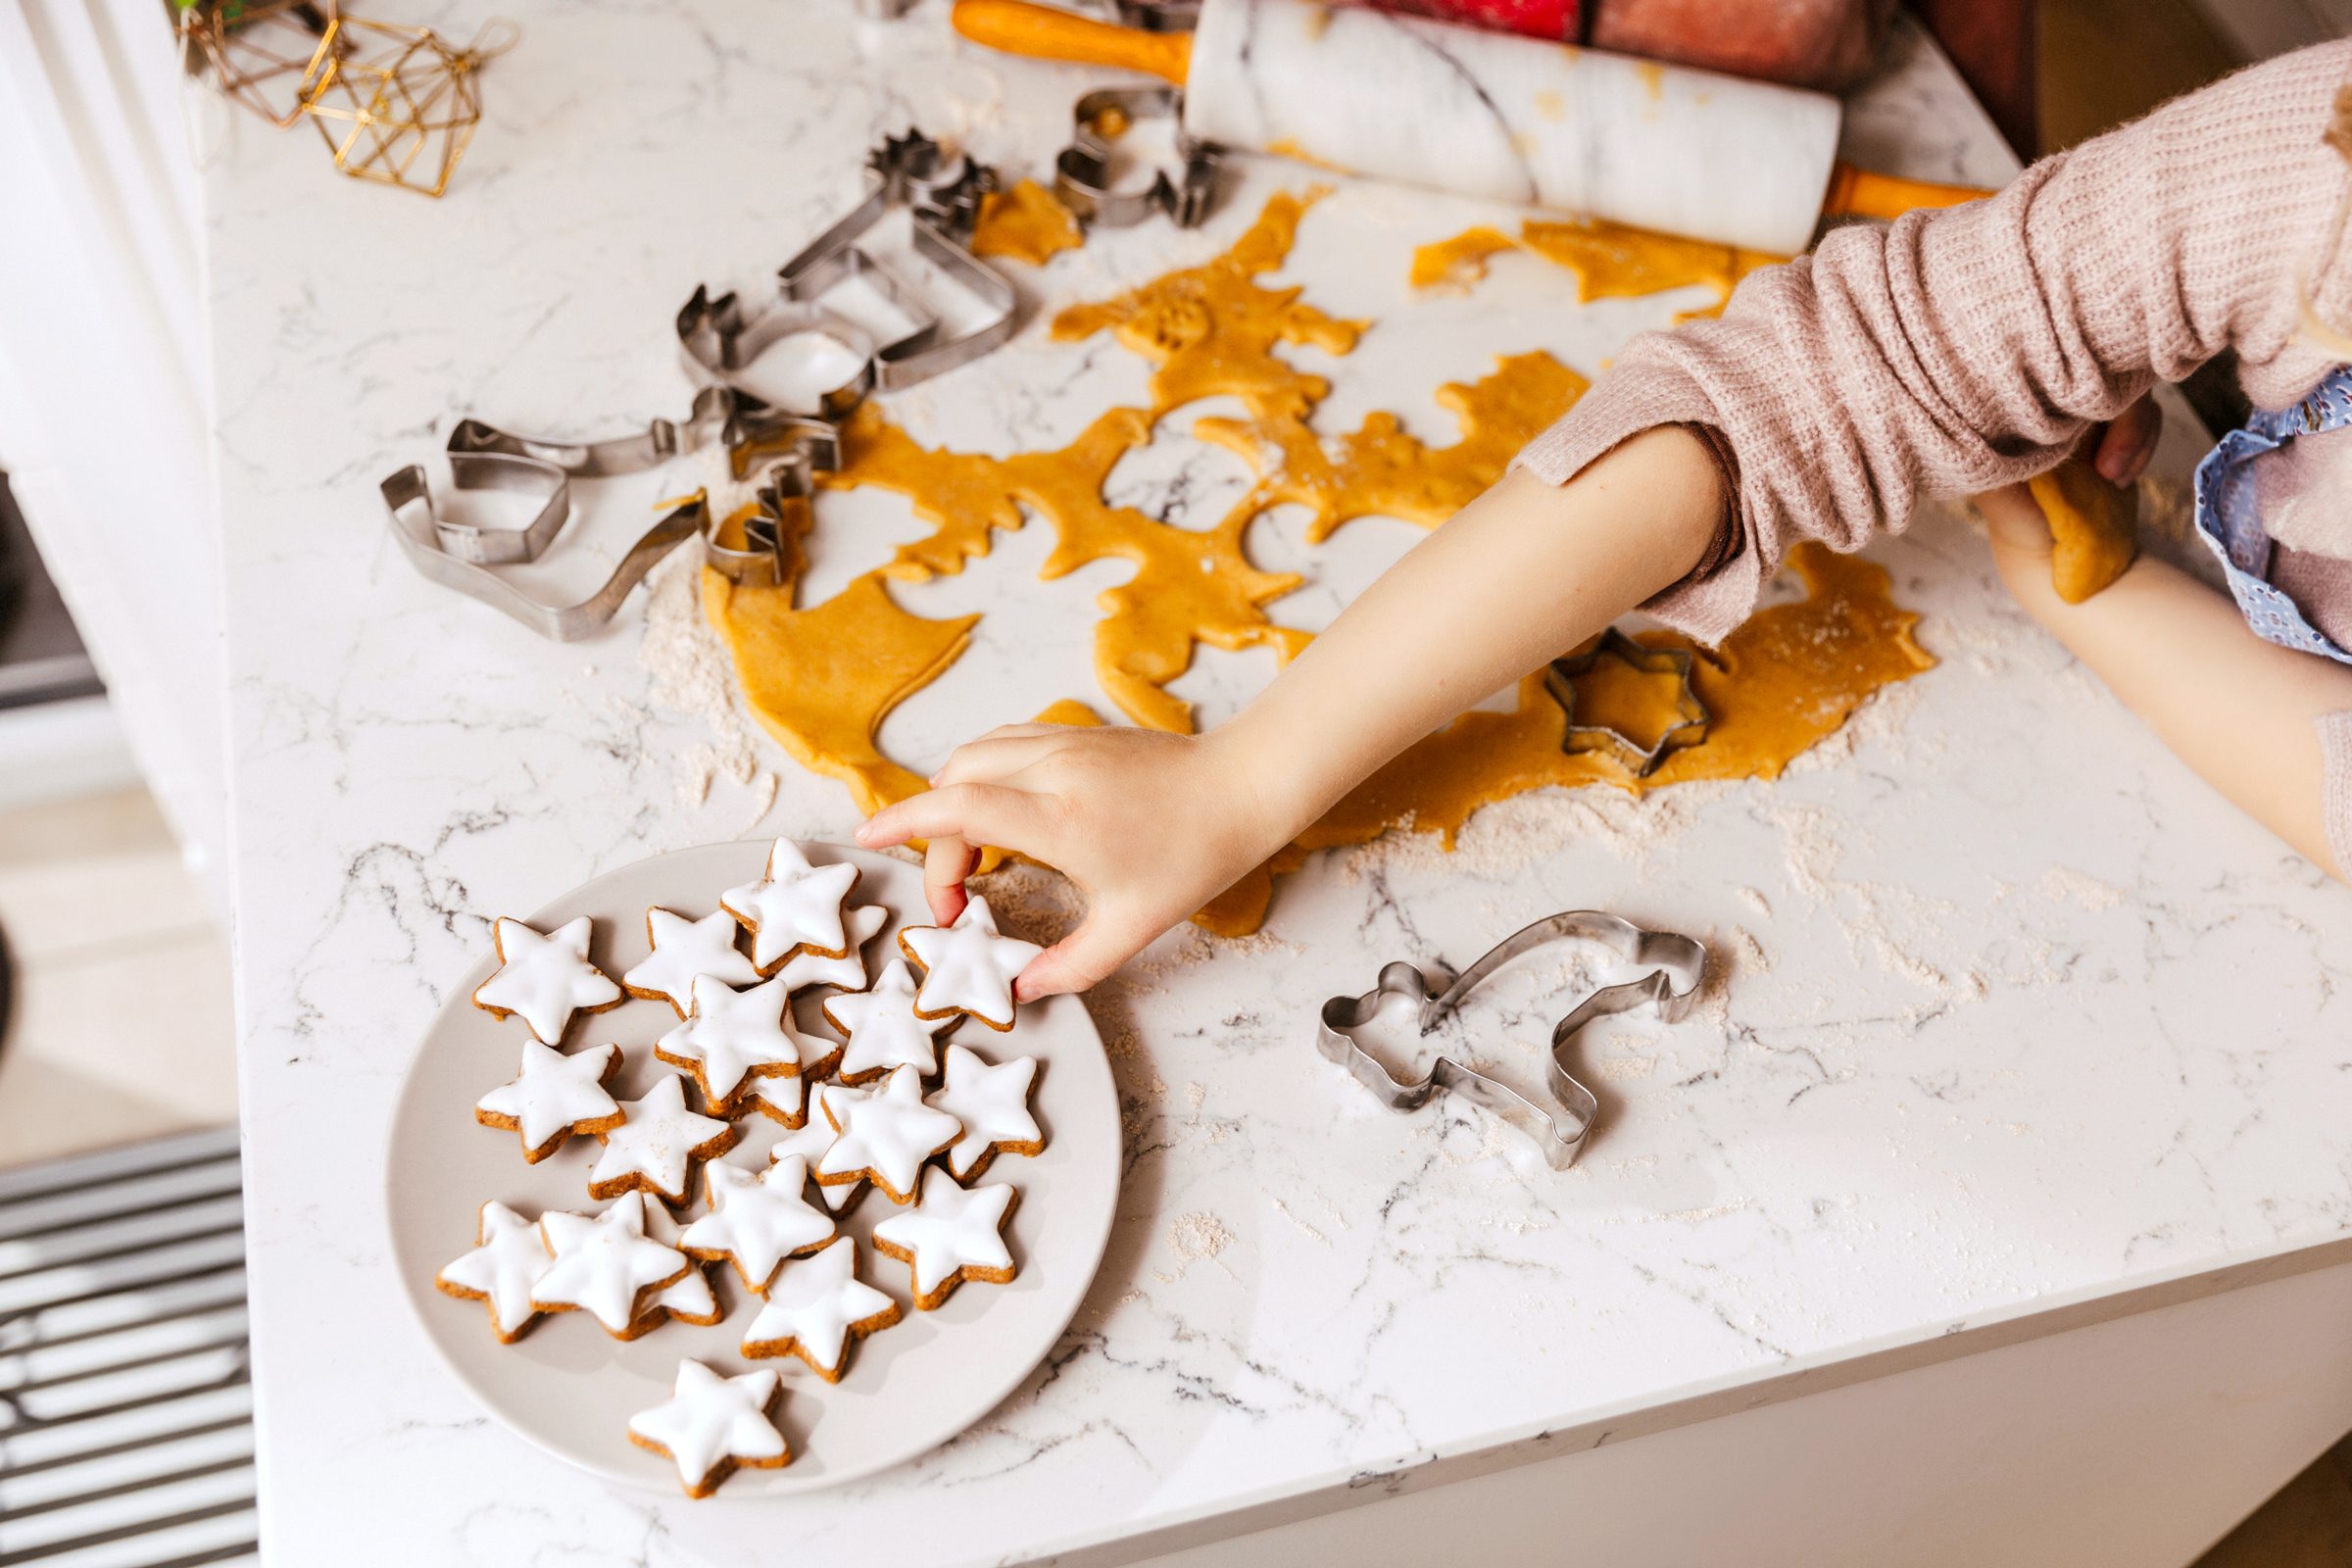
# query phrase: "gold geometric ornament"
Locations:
[[397, 105], [258, 50]]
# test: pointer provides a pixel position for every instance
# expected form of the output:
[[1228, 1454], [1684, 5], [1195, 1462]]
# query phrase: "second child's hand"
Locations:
[[1152, 826]]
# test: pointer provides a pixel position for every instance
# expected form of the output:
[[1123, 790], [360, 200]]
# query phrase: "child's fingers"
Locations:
[[990, 758], [946, 861], [1084, 957], [977, 813]]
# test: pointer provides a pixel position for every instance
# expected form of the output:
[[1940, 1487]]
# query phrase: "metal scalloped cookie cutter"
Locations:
[[1672, 968], [1082, 173], [1691, 716]]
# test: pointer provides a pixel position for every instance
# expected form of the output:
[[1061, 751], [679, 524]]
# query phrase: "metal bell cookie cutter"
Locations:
[[1082, 173], [769, 557], [720, 337], [459, 554], [1672, 966], [1688, 728]]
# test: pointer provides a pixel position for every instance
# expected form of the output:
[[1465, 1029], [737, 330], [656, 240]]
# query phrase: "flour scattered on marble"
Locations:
[[2063, 884], [1290, 1214], [692, 674], [1195, 1236]]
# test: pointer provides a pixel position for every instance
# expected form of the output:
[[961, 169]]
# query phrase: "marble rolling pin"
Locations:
[[1490, 115]]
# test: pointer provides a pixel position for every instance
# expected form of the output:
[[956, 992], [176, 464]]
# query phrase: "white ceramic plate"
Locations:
[[570, 1387]]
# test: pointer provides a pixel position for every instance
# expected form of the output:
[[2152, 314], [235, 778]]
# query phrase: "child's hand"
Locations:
[[1150, 825], [2013, 520]]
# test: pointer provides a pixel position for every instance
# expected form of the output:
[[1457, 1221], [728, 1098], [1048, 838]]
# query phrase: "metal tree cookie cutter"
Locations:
[[769, 555], [720, 337], [1688, 728], [1673, 965], [1082, 172]]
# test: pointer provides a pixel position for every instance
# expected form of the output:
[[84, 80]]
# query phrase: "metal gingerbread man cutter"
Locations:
[[1671, 966]]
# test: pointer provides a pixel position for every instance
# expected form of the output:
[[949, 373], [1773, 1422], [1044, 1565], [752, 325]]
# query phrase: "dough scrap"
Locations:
[[1609, 260], [1027, 224], [2094, 527]]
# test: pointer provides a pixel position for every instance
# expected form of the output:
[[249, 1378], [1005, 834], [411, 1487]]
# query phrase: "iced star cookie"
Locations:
[[508, 1257], [804, 971], [784, 1100], [817, 1309], [810, 1141], [731, 1038], [883, 1028], [684, 949], [551, 1096], [544, 979], [605, 1265], [688, 1297], [886, 1133], [968, 967], [656, 1148], [758, 1219], [797, 908], [993, 1103], [953, 1235], [713, 1426]]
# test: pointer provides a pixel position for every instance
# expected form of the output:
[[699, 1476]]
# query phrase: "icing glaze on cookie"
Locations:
[[884, 1029], [796, 907], [545, 979], [508, 1257], [603, 1264], [688, 1297], [730, 1036], [551, 1096], [993, 1103], [952, 1234], [885, 1135], [968, 967], [804, 970], [713, 1425], [684, 949], [758, 1219], [656, 1148], [810, 1140], [817, 1307], [784, 1100]]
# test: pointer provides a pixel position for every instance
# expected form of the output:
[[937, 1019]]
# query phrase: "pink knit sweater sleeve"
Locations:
[[1953, 352]]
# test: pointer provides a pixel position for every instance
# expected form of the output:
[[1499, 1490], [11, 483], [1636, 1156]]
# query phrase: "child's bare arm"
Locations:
[[1153, 826]]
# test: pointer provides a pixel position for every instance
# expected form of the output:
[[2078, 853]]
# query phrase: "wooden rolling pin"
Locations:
[[1490, 115]]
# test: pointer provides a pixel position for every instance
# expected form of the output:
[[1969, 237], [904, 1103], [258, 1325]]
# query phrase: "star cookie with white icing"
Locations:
[[545, 979], [953, 1235], [553, 1097], [684, 949], [714, 1425], [605, 1265], [804, 971], [886, 1133], [797, 908], [758, 1219], [883, 1028], [817, 1309], [731, 1038], [993, 1103], [968, 967], [784, 1100], [654, 1150], [810, 1141], [508, 1257], [688, 1297]]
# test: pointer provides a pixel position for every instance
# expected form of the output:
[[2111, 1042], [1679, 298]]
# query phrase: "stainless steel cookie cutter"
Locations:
[[714, 414], [721, 336], [1690, 726], [1672, 964], [459, 554], [1082, 172], [769, 557]]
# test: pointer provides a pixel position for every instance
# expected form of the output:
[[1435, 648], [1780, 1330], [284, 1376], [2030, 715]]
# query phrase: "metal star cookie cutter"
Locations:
[[769, 555], [720, 337], [459, 554], [1673, 965], [1688, 728], [1082, 172]]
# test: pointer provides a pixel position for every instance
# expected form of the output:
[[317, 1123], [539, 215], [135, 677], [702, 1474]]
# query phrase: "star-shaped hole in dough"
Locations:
[[804, 971], [684, 949], [967, 967], [714, 1425], [508, 1257], [758, 1219], [884, 1030], [604, 1264], [886, 1133], [656, 1148], [797, 908], [817, 1309], [545, 979], [953, 1235], [993, 1103], [731, 1037], [551, 1096]]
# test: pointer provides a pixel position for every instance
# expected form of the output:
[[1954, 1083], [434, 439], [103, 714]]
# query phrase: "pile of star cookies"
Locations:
[[891, 1105]]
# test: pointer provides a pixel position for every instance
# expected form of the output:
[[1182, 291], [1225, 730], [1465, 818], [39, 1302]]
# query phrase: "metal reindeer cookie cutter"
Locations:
[[1690, 726], [770, 555], [1082, 172], [1673, 965]]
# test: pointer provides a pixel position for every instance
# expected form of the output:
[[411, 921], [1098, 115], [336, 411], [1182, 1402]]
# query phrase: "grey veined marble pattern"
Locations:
[[2010, 1009]]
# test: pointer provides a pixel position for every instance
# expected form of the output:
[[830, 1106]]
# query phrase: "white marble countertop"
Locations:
[[2018, 1014]]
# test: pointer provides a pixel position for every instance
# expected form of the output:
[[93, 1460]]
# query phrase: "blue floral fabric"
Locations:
[[2231, 527]]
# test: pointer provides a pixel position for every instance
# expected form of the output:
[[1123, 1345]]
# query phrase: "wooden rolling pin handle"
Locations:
[[1860, 193], [1042, 33]]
